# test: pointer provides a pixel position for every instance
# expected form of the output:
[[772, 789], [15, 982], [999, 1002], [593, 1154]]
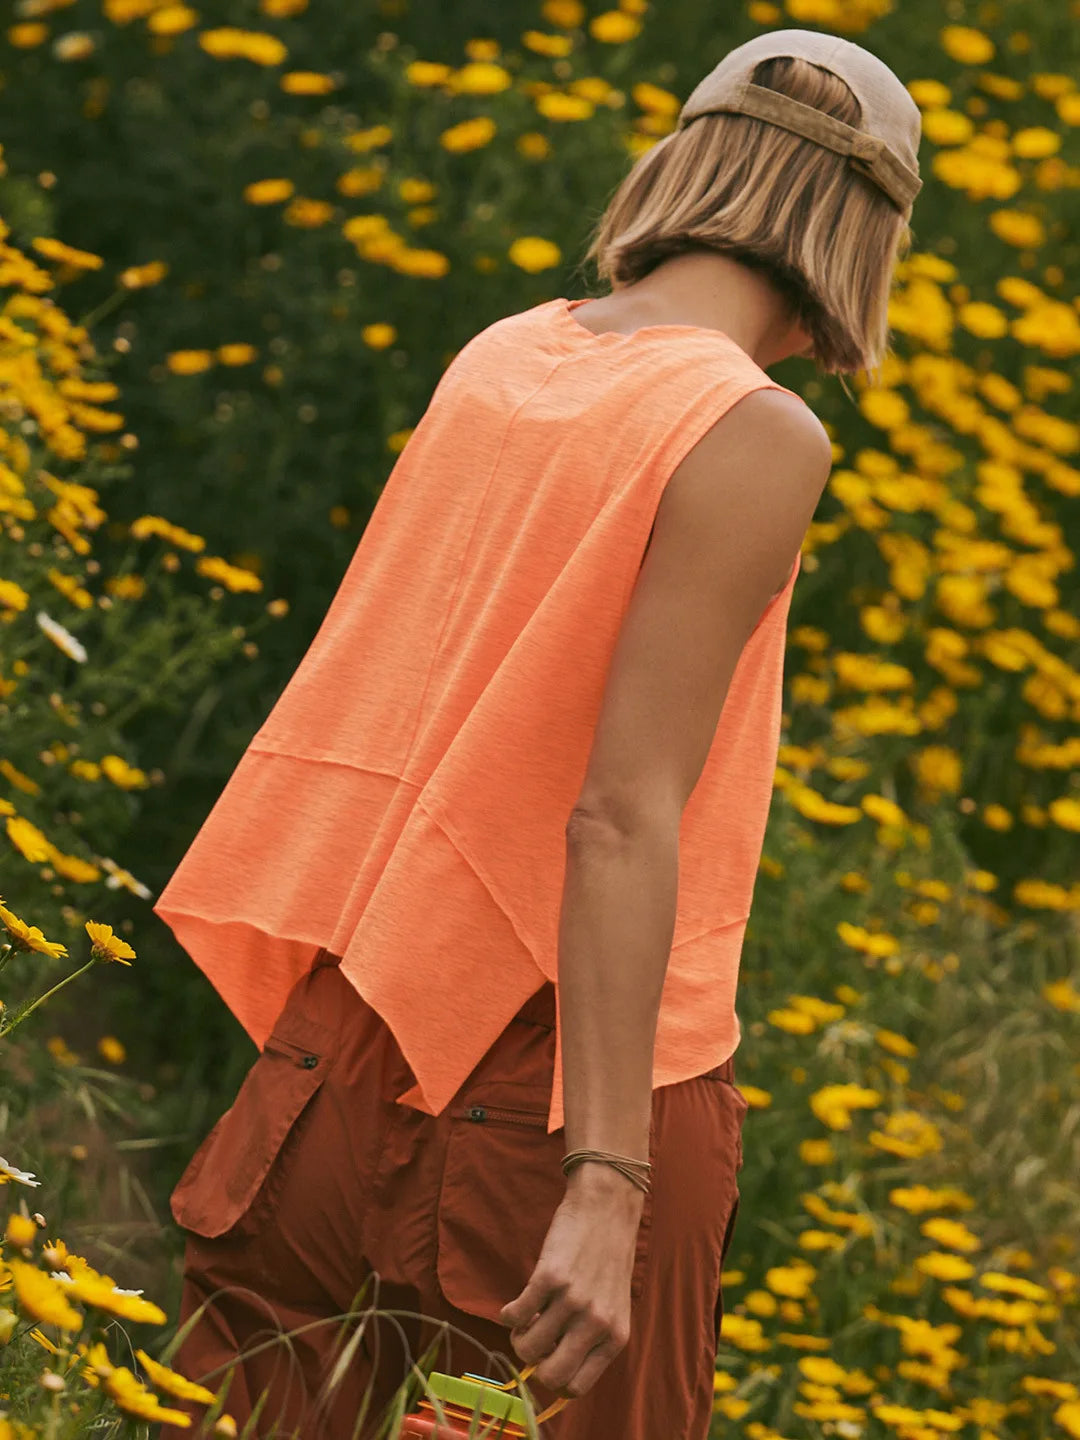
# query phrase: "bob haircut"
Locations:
[[825, 235]]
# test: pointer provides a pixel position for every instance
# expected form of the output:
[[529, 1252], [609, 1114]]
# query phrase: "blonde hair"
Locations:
[[827, 238]]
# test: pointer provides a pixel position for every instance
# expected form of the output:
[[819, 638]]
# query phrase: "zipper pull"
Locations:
[[477, 1112]]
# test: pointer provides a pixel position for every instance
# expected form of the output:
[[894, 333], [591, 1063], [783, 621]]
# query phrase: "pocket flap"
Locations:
[[228, 1169]]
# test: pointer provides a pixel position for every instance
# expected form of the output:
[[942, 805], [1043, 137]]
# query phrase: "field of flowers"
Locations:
[[238, 246]]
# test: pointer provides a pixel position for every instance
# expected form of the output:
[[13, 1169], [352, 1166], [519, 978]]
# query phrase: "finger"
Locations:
[[594, 1365], [520, 1311], [577, 1348], [533, 1342]]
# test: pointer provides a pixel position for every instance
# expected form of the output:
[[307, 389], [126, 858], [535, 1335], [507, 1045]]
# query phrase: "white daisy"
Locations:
[[9, 1172], [61, 637]]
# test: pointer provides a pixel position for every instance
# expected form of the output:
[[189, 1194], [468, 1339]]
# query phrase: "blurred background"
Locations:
[[241, 243]]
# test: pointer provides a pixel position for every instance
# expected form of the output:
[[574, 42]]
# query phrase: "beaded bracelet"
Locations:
[[637, 1171]]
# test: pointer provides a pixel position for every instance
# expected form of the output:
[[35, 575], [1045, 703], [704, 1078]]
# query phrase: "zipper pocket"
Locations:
[[500, 1115]]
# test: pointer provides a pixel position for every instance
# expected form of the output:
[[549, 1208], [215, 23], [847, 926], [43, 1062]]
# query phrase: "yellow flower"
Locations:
[[126, 588], [147, 525], [949, 1232], [567, 14], [816, 1152], [172, 20], [427, 72], [942, 1266], [131, 1395], [236, 354], [229, 43], [1017, 228], [101, 1291], [795, 1022], [985, 321], [532, 253], [20, 1230], [26, 37], [307, 82], [1065, 811], [755, 1097], [897, 1044], [947, 127], [189, 362], [13, 596], [482, 77], [172, 1381], [832, 1104], [66, 254], [968, 46], [123, 775], [1062, 995], [107, 946], [1035, 142], [268, 192], [555, 105], [233, 577], [929, 94], [112, 1050], [29, 937], [43, 1297], [28, 839], [886, 812], [378, 336], [554, 46], [468, 135], [137, 277], [614, 27], [307, 214]]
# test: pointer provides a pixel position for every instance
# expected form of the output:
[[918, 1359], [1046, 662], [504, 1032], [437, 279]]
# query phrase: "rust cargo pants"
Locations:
[[314, 1181]]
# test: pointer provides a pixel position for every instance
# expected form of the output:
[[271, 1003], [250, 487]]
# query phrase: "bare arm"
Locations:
[[728, 527]]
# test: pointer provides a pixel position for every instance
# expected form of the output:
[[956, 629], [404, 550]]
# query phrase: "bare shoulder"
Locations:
[[781, 424]]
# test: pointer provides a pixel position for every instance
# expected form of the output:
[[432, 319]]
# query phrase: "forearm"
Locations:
[[616, 926]]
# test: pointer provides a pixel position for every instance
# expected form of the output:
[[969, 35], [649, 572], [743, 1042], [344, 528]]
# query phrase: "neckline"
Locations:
[[565, 308]]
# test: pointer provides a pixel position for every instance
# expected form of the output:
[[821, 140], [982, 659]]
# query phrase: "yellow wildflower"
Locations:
[[13, 596], [137, 277], [101, 1291], [307, 82], [268, 192], [28, 839], [20, 1230], [107, 946], [532, 253], [43, 1297], [66, 254], [172, 1381], [968, 46], [111, 1049], [189, 362], [233, 577], [29, 937]]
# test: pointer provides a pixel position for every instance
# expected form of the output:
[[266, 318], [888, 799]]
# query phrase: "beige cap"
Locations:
[[885, 147]]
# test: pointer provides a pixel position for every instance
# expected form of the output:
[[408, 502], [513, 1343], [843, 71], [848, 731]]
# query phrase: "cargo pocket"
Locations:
[[216, 1193], [502, 1184]]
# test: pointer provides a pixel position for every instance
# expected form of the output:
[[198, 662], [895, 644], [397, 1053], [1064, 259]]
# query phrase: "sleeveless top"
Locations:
[[404, 804]]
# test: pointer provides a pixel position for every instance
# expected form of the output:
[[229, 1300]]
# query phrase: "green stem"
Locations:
[[109, 303], [6, 1029]]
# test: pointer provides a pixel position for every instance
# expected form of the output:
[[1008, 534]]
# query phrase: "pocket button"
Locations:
[[310, 1061]]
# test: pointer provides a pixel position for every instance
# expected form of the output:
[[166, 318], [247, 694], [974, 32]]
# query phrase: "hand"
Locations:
[[574, 1314]]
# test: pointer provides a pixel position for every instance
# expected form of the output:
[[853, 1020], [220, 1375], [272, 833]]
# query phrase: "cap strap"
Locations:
[[866, 153]]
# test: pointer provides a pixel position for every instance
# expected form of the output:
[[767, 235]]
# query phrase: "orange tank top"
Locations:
[[404, 804]]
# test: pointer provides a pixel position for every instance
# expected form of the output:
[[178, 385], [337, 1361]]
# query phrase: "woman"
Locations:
[[479, 885]]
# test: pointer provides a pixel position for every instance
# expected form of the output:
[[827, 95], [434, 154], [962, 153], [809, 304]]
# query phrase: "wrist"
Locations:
[[595, 1179]]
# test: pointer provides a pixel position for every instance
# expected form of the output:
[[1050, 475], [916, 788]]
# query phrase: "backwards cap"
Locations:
[[885, 146]]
